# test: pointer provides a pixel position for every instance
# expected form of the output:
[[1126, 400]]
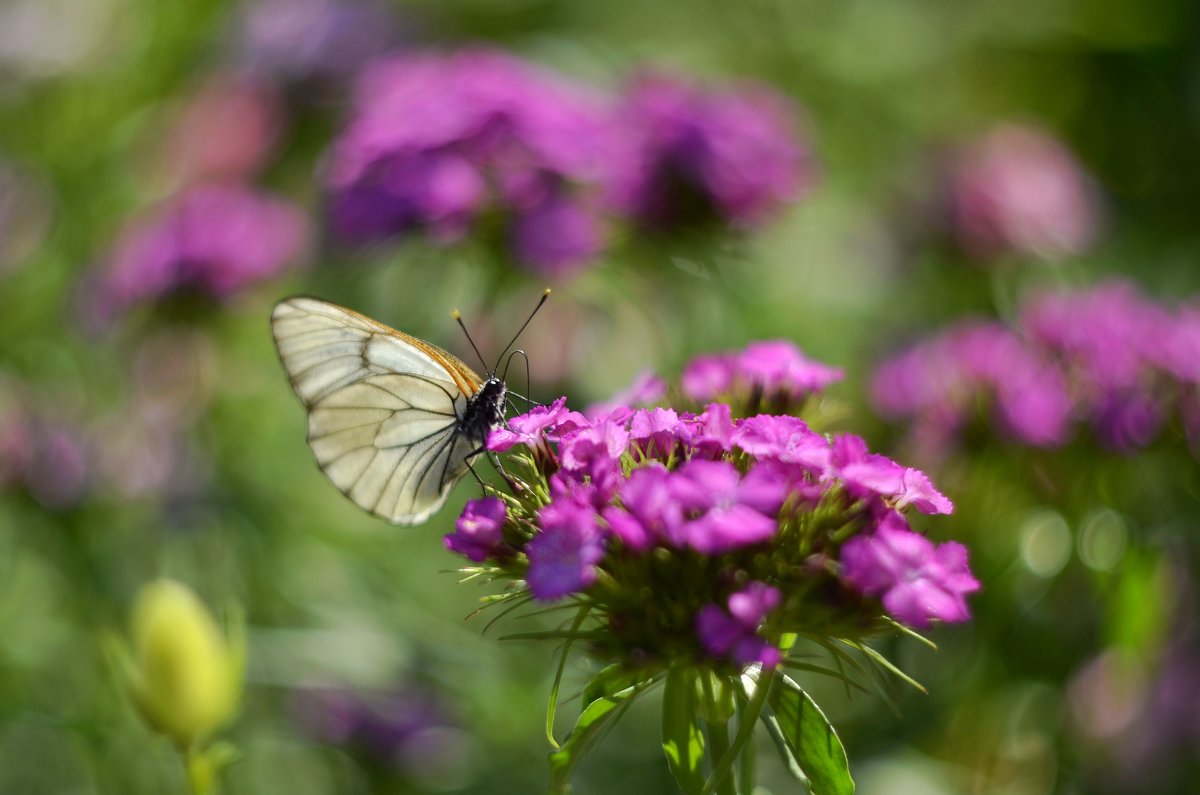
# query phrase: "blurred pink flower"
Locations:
[[734, 153], [1019, 190], [227, 130], [213, 240]]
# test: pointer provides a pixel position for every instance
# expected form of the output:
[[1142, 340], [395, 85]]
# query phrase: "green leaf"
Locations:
[[595, 717], [785, 753], [810, 738], [613, 679], [682, 737], [552, 704]]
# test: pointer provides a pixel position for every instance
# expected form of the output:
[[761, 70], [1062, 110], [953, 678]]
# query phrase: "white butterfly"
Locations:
[[392, 420]]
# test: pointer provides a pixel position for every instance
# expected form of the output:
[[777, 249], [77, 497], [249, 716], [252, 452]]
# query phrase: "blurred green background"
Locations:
[[176, 448]]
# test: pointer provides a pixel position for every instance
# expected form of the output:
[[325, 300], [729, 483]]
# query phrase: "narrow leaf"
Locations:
[[612, 679], [682, 737], [889, 666], [811, 738], [552, 704], [595, 717]]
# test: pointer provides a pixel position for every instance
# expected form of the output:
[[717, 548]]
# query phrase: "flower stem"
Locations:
[[723, 763], [718, 739], [200, 773]]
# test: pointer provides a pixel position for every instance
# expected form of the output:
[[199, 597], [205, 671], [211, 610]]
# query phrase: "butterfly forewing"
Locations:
[[384, 408]]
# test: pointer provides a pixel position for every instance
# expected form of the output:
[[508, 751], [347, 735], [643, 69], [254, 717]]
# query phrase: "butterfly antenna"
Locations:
[[528, 379], [458, 319], [545, 295]]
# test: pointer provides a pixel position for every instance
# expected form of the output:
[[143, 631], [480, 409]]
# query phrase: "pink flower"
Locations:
[[563, 556], [1018, 189], [478, 529], [918, 581], [734, 633], [530, 428]]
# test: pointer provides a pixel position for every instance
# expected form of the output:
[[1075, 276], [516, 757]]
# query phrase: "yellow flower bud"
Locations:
[[185, 675]]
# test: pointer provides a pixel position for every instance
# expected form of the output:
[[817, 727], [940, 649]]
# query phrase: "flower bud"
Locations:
[[185, 675]]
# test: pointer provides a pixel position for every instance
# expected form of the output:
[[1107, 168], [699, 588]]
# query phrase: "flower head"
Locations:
[[435, 142], [918, 582], [735, 153], [213, 240], [698, 545], [1106, 355], [1018, 189]]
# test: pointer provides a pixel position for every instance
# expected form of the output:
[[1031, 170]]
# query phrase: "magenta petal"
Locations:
[[721, 530]]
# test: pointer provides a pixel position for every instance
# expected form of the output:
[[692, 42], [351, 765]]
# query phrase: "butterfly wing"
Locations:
[[383, 407]]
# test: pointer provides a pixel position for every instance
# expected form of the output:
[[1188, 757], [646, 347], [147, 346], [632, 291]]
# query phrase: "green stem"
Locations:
[[718, 739], [748, 760], [723, 763], [201, 780]]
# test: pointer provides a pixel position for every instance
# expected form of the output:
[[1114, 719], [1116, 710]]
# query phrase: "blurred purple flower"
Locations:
[[48, 458], [556, 237], [779, 366], [563, 556], [1108, 335], [940, 382], [1128, 423], [734, 154], [435, 141], [1180, 349], [733, 633], [478, 530], [213, 241], [705, 377], [304, 39], [918, 582], [1019, 190], [409, 730]]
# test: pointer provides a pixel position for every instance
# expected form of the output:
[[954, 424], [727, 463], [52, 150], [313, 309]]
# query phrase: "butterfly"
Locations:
[[393, 421]]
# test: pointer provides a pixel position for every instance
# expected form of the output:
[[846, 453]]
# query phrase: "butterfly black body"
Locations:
[[484, 411]]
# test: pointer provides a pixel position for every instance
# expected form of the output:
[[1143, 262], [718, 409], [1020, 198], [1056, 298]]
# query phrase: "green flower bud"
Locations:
[[184, 674]]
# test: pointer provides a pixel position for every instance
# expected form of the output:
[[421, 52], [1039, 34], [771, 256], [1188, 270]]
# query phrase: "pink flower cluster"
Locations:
[[480, 141], [212, 240], [638, 497], [1107, 355]]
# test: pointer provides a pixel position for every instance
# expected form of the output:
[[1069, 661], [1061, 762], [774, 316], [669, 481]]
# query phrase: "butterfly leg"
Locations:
[[512, 482]]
